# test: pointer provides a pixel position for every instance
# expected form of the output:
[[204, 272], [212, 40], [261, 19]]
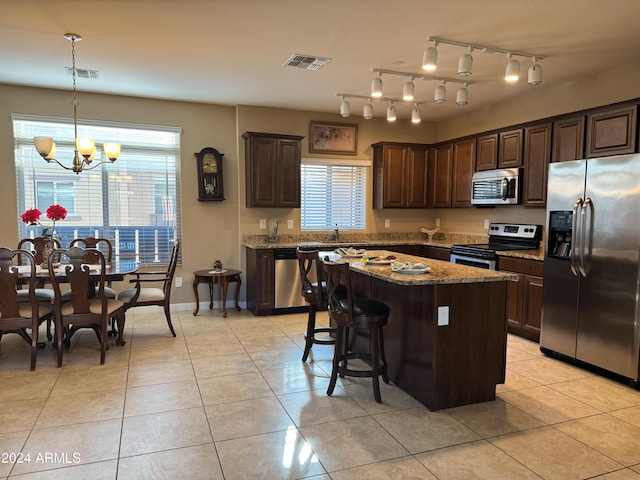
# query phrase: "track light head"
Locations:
[[376, 86], [465, 63], [430, 58], [415, 114], [512, 73], [462, 96], [408, 90], [345, 108], [367, 111], [535, 74], [391, 112], [440, 94]]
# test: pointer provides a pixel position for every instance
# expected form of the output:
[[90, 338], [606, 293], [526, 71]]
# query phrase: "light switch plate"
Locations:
[[178, 282], [443, 316], [486, 223], [263, 224], [437, 222], [387, 222], [289, 224]]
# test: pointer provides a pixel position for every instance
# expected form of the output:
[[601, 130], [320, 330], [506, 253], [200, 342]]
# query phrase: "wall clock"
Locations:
[[210, 182]]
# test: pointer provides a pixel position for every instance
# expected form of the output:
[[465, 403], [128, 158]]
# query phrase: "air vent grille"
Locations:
[[83, 73], [306, 62]]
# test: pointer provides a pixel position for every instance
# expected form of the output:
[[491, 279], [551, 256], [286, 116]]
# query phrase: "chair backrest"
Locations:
[[9, 305], [171, 270], [36, 247], [100, 243], [340, 301], [309, 266], [78, 275]]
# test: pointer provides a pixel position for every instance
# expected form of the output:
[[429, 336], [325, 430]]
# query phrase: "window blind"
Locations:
[[333, 194], [133, 202]]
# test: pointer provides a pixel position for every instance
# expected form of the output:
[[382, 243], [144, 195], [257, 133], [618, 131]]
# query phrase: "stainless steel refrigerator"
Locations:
[[591, 269]]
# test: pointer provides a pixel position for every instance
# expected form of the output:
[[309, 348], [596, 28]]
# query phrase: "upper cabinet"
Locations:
[[400, 175], [568, 139], [272, 169], [612, 131], [537, 152], [487, 152], [464, 161], [440, 175], [510, 149]]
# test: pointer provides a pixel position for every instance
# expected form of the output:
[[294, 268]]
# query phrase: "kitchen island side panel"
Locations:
[[443, 366]]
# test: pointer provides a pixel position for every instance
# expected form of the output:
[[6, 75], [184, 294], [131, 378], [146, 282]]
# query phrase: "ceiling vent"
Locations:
[[306, 62], [83, 73]]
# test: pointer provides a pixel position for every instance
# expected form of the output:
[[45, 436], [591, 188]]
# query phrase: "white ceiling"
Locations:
[[232, 51]]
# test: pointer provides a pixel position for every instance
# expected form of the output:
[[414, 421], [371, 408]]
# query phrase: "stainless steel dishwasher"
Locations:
[[287, 281]]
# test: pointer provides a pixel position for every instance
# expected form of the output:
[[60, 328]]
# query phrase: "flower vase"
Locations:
[[46, 252]]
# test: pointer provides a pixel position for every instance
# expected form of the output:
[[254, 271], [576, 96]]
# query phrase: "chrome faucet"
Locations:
[[336, 234]]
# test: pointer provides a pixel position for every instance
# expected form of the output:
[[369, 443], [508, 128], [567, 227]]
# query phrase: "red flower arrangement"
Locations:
[[54, 212]]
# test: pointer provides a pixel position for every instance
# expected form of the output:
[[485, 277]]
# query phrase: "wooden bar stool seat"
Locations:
[[348, 313]]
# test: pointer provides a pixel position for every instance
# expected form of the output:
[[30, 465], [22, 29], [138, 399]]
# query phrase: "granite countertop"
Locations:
[[324, 241], [440, 272]]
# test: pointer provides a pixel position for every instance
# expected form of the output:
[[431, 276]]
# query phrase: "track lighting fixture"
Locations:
[[465, 63], [512, 73], [376, 86], [408, 90], [462, 96], [391, 112], [345, 108], [367, 111], [415, 114], [440, 94], [535, 74], [430, 58]]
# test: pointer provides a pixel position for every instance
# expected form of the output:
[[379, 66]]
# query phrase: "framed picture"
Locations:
[[338, 138]]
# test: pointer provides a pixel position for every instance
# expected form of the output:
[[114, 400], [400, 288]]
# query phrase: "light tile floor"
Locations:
[[230, 398]]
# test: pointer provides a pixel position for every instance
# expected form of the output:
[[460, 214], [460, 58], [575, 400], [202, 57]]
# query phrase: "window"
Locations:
[[132, 202], [333, 192]]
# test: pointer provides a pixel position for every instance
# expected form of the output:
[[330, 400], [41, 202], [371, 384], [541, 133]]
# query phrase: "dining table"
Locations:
[[114, 272]]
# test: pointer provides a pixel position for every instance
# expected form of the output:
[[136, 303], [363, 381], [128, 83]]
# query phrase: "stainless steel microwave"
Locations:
[[496, 187]]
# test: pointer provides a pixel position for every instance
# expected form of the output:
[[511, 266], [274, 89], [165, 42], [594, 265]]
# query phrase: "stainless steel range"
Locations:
[[502, 236]]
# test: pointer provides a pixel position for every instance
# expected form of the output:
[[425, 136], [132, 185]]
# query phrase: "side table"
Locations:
[[224, 278]]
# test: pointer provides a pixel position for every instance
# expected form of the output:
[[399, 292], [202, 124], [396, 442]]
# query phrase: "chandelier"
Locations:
[[85, 148]]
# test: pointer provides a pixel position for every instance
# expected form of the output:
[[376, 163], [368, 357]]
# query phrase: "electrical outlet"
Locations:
[[178, 282], [387, 223], [443, 316], [289, 224], [486, 223], [263, 224], [437, 222]]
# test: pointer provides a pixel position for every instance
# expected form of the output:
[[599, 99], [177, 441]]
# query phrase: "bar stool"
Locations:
[[349, 313], [315, 293]]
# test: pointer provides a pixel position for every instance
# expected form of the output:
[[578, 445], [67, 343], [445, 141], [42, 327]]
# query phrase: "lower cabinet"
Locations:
[[260, 281], [524, 296]]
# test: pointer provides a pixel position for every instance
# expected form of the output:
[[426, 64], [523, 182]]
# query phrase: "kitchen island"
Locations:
[[446, 338]]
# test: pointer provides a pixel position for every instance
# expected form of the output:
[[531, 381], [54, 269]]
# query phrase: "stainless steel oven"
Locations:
[[502, 236]]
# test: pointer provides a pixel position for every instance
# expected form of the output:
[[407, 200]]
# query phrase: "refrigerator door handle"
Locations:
[[576, 243], [583, 235]]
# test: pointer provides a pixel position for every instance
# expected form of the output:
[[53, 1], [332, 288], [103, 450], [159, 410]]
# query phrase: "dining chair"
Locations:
[[159, 296], [82, 311], [350, 314], [17, 315], [98, 243], [314, 291]]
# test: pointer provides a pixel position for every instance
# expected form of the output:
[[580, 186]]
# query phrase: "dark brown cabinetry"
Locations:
[[524, 296], [464, 160], [260, 281], [272, 169], [437, 253], [510, 149], [612, 131], [568, 139], [487, 152], [440, 176], [537, 153], [400, 175]]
